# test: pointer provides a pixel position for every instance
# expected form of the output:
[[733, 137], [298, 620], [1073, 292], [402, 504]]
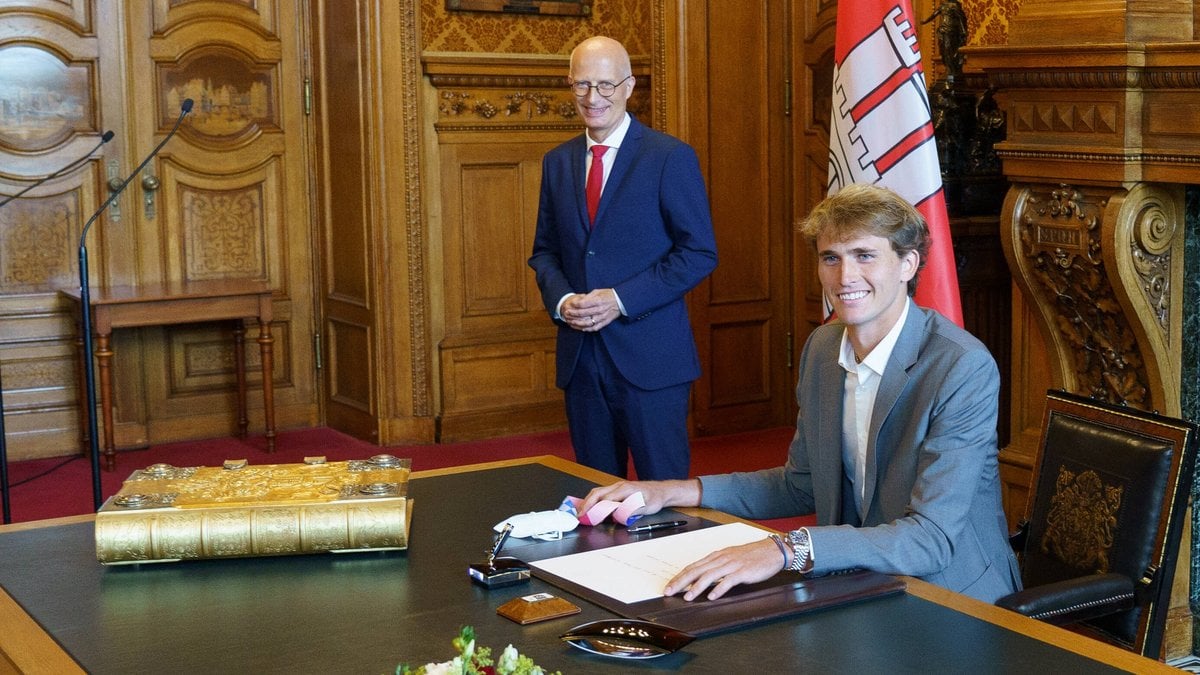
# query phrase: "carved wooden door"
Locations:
[[232, 191], [226, 198]]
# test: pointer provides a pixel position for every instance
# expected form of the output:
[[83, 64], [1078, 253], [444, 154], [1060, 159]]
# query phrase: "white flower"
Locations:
[[448, 668], [507, 662]]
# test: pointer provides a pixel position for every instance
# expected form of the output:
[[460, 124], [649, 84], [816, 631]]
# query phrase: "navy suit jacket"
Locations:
[[933, 507], [652, 242]]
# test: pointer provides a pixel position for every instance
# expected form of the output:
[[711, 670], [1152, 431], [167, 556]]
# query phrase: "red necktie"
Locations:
[[595, 181]]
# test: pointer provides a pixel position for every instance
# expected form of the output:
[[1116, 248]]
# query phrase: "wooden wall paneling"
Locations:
[[737, 63], [497, 349], [812, 53]]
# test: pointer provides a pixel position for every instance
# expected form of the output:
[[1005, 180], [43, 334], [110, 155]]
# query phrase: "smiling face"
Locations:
[[597, 60], [866, 282]]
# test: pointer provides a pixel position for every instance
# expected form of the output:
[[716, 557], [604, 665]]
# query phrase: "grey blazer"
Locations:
[[932, 502]]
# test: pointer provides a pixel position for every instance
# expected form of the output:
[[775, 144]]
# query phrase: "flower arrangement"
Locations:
[[477, 660]]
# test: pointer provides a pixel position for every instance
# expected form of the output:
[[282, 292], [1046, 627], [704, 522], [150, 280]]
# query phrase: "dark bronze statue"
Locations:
[[952, 35]]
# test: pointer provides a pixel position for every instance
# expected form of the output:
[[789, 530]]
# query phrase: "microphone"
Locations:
[[85, 306], [183, 111], [108, 136]]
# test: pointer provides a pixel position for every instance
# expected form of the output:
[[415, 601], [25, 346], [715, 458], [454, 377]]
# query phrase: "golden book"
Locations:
[[164, 513]]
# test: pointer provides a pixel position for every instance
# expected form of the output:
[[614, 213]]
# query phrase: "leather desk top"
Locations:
[[367, 612]]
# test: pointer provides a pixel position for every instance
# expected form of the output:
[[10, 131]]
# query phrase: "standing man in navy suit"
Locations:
[[623, 232]]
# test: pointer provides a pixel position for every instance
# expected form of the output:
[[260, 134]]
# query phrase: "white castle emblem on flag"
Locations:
[[881, 123]]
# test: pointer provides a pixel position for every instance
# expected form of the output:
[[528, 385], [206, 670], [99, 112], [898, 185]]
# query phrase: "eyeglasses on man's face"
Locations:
[[605, 89]]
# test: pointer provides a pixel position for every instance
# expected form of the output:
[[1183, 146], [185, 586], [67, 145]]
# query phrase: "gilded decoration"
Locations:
[[1060, 241], [475, 32], [165, 513], [501, 108], [987, 20], [1082, 520], [43, 101]]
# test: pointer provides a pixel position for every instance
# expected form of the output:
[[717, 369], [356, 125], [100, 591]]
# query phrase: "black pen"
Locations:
[[650, 527]]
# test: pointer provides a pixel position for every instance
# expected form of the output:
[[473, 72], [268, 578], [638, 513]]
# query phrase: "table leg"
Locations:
[[265, 346], [103, 361], [239, 364]]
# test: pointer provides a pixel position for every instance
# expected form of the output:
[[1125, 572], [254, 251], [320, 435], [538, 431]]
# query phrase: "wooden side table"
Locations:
[[165, 304]]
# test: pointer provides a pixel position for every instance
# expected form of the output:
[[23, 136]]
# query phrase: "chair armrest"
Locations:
[[1017, 539], [1073, 600]]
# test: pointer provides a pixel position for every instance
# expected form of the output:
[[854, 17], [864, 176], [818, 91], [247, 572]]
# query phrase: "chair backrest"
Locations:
[[1110, 494]]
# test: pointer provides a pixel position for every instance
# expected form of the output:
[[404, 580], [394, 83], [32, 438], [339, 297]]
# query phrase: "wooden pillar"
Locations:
[[1103, 136]]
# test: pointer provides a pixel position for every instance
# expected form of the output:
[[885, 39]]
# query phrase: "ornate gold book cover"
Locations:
[[164, 513]]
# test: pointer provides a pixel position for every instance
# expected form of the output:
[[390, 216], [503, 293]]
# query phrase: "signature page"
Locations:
[[639, 571]]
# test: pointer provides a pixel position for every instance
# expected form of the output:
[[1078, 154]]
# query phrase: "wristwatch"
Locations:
[[802, 555]]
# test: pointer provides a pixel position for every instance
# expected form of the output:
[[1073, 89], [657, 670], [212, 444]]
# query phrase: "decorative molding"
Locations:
[[1100, 157], [420, 350], [1064, 117], [1184, 79], [486, 108]]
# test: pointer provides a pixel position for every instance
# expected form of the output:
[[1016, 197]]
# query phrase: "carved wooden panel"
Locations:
[[224, 227], [39, 240]]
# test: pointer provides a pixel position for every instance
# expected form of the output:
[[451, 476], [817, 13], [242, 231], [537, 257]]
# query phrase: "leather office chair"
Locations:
[[1103, 524]]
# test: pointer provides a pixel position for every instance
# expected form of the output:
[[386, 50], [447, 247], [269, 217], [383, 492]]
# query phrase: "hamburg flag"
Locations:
[[882, 133]]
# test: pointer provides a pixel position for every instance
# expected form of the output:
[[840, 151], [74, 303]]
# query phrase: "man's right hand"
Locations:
[[658, 494]]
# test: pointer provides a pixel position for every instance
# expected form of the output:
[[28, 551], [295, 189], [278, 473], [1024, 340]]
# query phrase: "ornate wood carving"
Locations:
[[512, 101], [1061, 254]]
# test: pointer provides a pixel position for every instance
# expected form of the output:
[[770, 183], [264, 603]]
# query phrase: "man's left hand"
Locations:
[[592, 311], [726, 568]]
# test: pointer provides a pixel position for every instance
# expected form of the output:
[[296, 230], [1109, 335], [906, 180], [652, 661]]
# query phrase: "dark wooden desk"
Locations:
[[161, 305], [61, 612]]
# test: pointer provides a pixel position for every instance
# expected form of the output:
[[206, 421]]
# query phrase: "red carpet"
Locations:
[[51, 488]]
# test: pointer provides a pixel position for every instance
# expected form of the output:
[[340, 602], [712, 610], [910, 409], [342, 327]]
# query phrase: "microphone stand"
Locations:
[[5, 505], [108, 136], [85, 304]]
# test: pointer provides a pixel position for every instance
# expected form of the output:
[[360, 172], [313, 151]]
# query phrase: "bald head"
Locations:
[[601, 61], [601, 48]]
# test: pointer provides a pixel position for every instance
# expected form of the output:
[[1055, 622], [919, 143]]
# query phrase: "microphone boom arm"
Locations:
[[85, 306]]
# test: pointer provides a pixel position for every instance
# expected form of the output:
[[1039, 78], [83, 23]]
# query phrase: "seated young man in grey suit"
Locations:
[[895, 447]]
